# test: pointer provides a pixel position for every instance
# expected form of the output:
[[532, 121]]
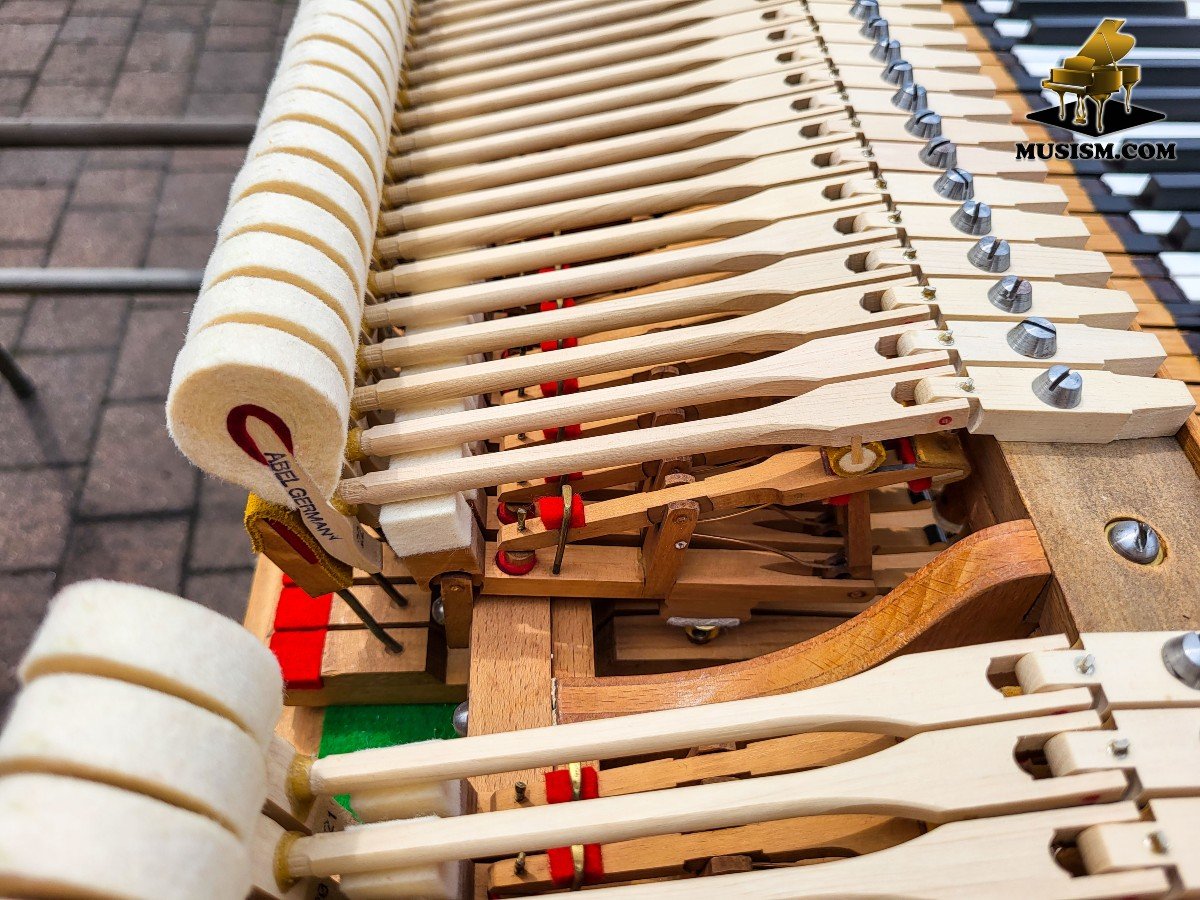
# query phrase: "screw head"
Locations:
[[1181, 655], [924, 123], [459, 719], [681, 545], [1059, 387], [437, 611], [1119, 747], [886, 51], [1034, 337], [898, 72], [865, 10], [991, 254], [940, 153], [910, 97], [1086, 664], [1012, 294], [1135, 541], [973, 217], [875, 28], [955, 184]]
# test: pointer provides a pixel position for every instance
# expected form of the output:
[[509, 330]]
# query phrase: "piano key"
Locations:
[[1185, 232], [1127, 185], [1028, 9], [1153, 221], [1187, 159], [1171, 190], [1151, 31]]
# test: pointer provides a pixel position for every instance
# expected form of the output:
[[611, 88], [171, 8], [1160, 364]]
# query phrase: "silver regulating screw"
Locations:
[[991, 254], [973, 217], [1035, 337], [1059, 387], [1085, 665], [1181, 655], [876, 29], [940, 153], [459, 719], [865, 10], [1012, 294], [1135, 541], [910, 97], [1119, 747], [898, 72], [885, 51], [955, 184], [437, 611], [924, 123]]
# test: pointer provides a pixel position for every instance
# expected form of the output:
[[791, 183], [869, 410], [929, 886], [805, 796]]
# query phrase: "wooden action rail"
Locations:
[[1004, 734]]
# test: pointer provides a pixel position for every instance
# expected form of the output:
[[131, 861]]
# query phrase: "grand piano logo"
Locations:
[[1094, 89]]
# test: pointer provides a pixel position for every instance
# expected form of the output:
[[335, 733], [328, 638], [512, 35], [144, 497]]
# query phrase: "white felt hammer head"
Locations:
[[160, 641], [140, 739], [344, 61], [335, 136], [336, 83], [65, 837], [230, 374]]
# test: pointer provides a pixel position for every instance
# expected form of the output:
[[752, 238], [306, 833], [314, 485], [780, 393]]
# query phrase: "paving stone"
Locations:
[[23, 600], [33, 12], [233, 70], [136, 467], [143, 94], [10, 326], [225, 104], [75, 322], [239, 37], [57, 425], [141, 551], [116, 187], [166, 17], [219, 541], [13, 304], [30, 214], [225, 592], [180, 251], [218, 495], [244, 12], [68, 100], [95, 30], [209, 159], [102, 237], [152, 341], [108, 7], [13, 89], [161, 51], [37, 514], [82, 64], [38, 167], [22, 255], [23, 47], [193, 201], [184, 299], [127, 158]]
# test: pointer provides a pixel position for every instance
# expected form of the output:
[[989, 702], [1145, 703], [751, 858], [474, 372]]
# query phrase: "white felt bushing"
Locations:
[[64, 837], [334, 56], [302, 105], [324, 27], [139, 739], [299, 176], [230, 370], [163, 642], [336, 84], [261, 254], [360, 15], [274, 304], [301, 221]]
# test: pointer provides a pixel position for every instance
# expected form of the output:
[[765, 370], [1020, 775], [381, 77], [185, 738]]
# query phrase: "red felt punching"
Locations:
[[562, 862], [566, 433], [509, 566], [569, 386], [550, 510], [908, 455]]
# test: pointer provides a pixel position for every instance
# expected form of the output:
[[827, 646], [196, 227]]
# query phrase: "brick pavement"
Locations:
[[92, 485]]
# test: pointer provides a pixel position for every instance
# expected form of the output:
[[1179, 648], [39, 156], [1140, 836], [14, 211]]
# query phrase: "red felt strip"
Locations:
[[300, 654], [296, 609]]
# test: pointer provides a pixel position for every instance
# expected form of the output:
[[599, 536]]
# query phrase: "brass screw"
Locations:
[[967, 386], [520, 789], [894, 218], [946, 337], [519, 863], [522, 514], [910, 253], [928, 293]]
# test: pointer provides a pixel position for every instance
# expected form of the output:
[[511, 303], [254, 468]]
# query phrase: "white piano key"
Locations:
[[1037, 59], [1012, 28], [1153, 221], [996, 7], [1190, 287], [1181, 265], [1125, 184]]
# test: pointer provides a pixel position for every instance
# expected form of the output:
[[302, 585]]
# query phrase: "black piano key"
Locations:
[[1185, 235], [1028, 9], [1174, 31], [1169, 73], [1181, 104], [1171, 190]]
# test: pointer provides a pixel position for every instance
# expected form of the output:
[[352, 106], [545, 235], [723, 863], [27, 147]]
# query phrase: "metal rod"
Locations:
[[96, 281], [109, 133], [396, 597], [393, 645]]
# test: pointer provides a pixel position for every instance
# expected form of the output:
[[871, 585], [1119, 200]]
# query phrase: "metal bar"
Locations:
[[142, 133], [373, 626], [96, 281]]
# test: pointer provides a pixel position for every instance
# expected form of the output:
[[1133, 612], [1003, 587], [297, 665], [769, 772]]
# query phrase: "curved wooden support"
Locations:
[[977, 591]]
